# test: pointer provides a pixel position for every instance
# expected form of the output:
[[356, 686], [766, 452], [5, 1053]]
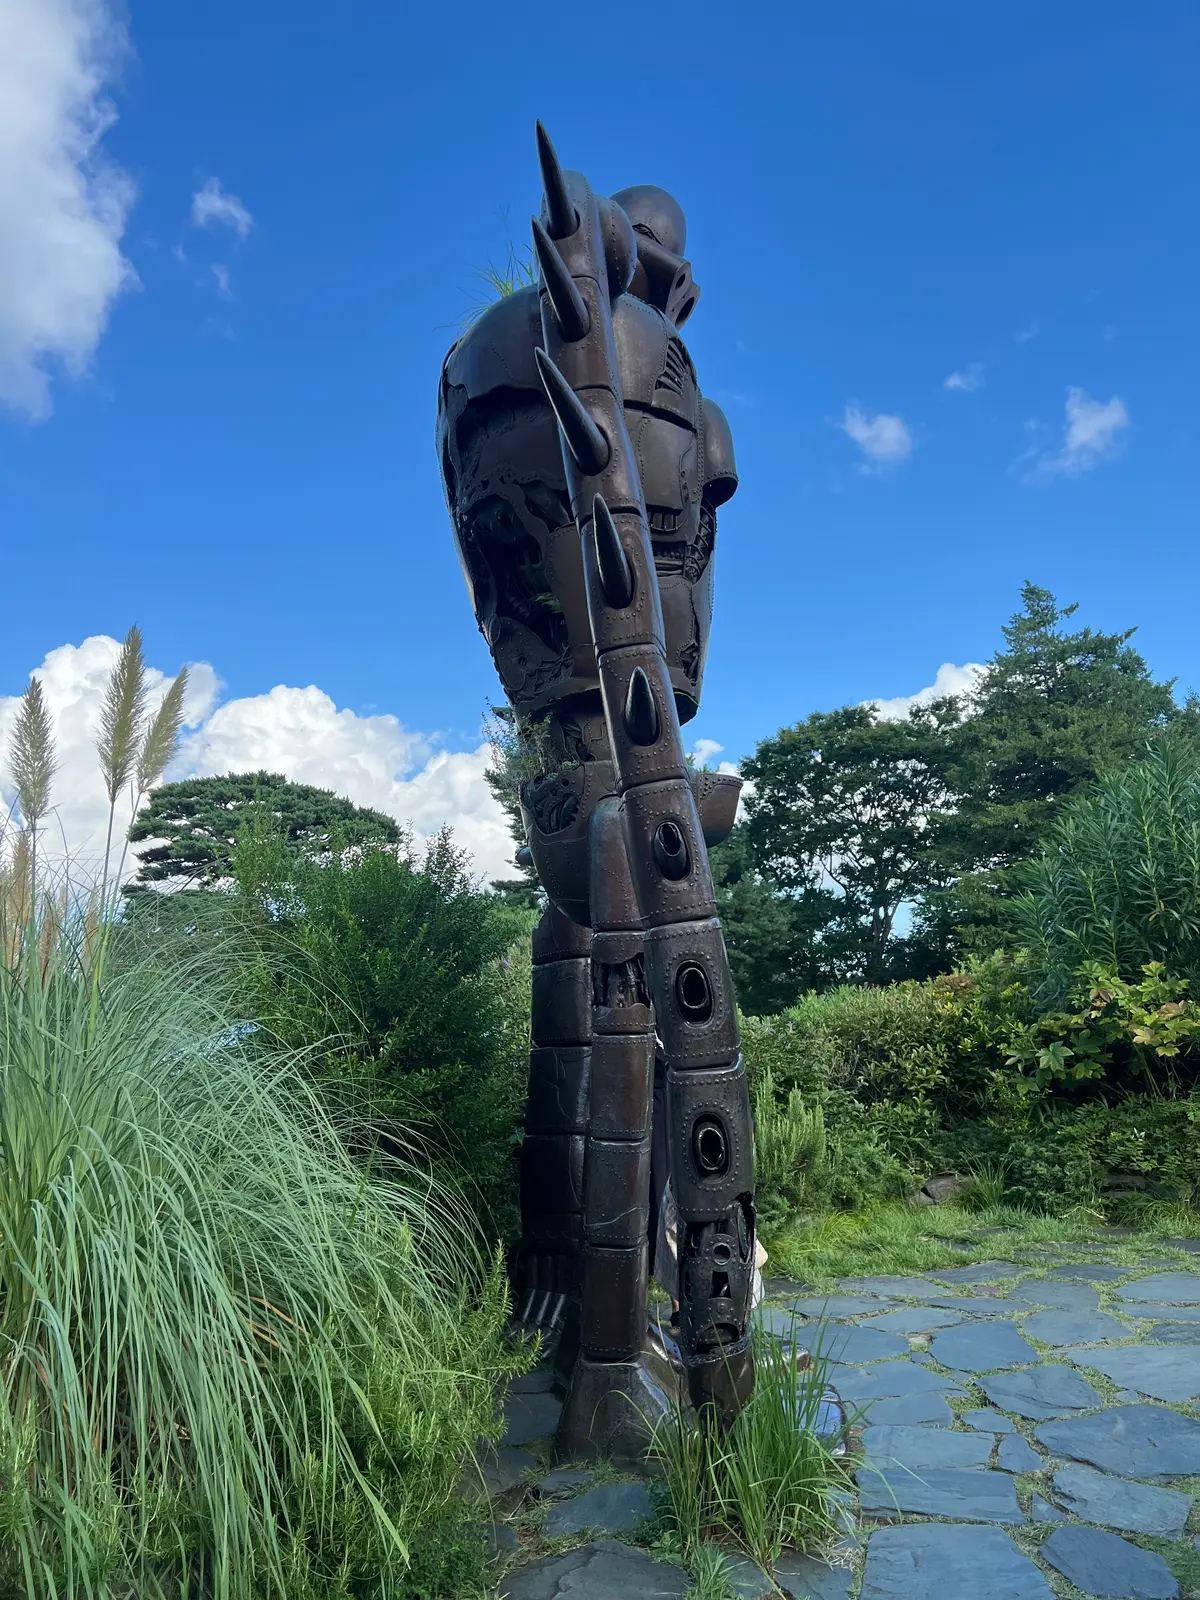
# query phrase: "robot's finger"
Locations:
[[565, 299], [586, 442], [555, 1313]]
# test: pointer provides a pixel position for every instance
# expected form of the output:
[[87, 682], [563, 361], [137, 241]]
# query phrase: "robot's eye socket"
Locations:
[[712, 1156], [693, 993], [671, 854]]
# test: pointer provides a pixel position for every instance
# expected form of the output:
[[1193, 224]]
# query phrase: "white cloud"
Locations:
[[1029, 331], [704, 750], [220, 274], [372, 760], [62, 206], [949, 680], [885, 440], [1092, 434], [213, 208], [969, 379]]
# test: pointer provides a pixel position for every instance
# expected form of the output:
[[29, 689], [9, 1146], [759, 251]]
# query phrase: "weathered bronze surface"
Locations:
[[583, 470]]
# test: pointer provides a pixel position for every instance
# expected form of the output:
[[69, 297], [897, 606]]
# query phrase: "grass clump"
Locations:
[[770, 1479], [233, 1362]]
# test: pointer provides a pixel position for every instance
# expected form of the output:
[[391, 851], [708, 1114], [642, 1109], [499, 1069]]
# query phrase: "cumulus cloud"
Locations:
[[969, 379], [949, 680], [885, 440], [300, 732], [63, 208], [1093, 433], [213, 208]]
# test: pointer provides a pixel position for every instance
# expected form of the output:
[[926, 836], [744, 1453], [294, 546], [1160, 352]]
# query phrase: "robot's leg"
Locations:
[[711, 1159], [552, 1155], [615, 1400], [583, 259]]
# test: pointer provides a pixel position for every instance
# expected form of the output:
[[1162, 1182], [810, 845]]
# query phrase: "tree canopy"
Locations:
[[194, 825], [848, 804], [913, 830]]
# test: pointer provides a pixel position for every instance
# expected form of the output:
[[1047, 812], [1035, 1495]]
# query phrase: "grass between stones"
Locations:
[[905, 1239]]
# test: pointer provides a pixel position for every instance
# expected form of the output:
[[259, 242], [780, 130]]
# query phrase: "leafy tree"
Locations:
[[519, 751], [195, 825], [1053, 711], [772, 939], [847, 805]]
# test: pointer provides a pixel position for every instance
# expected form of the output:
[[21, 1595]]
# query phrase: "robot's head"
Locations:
[[662, 278]]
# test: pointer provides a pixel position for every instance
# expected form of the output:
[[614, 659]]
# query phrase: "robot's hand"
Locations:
[[543, 1286]]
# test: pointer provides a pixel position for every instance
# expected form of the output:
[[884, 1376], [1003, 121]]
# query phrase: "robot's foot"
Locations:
[[612, 1410]]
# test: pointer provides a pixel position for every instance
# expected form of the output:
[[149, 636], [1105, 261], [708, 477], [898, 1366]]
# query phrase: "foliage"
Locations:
[[1115, 1031], [854, 818], [847, 801], [773, 940], [1053, 711], [1118, 881], [791, 1152], [407, 985], [520, 750], [195, 824], [235, 1362], [1099, 1157], [712, 1575], [229, 1354], [768, 1480]]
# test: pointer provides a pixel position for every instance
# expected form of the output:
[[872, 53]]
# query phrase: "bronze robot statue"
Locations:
[[583, 471]]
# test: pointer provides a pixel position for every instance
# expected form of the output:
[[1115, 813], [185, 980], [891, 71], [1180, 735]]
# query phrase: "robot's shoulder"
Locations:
[[496, 351]]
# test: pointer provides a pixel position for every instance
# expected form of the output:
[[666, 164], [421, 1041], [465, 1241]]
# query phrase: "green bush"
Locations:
[[407, 988], [866, 1060], [1116, 1034], [1111, 1159], [234, 1362]]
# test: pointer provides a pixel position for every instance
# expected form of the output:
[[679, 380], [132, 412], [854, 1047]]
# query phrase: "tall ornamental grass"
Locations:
[[1119, 881], [232, 1362], [775, 1477]]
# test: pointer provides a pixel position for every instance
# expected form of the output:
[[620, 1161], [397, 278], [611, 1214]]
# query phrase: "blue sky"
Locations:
[[879, 198]]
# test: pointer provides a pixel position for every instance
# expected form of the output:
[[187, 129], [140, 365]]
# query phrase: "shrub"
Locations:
[[407, 987], [234, 1363], [1054, 1156], [1115, 1033]]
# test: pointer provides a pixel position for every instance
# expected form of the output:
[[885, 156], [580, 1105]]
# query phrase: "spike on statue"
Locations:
[[584, 439], [569, 310], [616, 575], [562, 217]]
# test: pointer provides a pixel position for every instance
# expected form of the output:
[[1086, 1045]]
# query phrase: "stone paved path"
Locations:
[[1026, 1431]]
